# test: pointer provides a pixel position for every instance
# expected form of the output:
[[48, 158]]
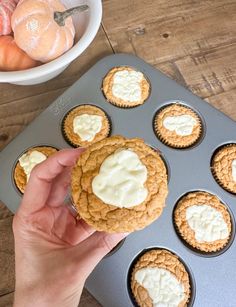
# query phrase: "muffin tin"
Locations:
[[212, 275]]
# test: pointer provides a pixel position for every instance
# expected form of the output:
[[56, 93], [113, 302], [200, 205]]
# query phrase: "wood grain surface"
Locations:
[[191, 41]]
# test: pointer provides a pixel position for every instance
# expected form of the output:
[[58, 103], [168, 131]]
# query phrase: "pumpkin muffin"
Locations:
[[26, 163], [160, 279], [223, 167], [177, 126], [125, 87], [84, 125], [203, 221], [119, 185]]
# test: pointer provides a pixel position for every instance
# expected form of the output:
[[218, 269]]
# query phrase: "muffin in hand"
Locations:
[[119, 185]]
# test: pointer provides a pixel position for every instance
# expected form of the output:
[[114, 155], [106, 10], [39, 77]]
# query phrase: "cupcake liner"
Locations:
[[70, 142], [121, 105], [165, 140], [117, 101], [136, 260], [214, 174], [221, 183], [207, 248]]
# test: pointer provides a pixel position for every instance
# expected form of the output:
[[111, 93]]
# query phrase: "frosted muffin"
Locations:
[[224, 167], [119, 185], [84, 125], [28, 161], [177, 126], [125, 87], [160, 279], [203, 221]]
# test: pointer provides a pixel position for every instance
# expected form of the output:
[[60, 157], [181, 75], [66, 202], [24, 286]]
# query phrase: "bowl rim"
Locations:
[[63, 60]]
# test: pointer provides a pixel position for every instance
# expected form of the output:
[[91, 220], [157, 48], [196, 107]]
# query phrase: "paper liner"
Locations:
[[118, 102], [136, 260], [124, 106], [165, 141], [214, 172], [211, 248]]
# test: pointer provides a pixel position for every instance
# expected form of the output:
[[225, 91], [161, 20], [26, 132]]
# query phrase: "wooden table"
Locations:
[[193, 42]]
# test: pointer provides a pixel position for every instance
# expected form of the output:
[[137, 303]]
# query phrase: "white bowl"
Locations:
[[86, 27]]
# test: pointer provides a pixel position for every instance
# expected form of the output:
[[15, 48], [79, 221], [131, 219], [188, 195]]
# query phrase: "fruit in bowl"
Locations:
[[57, 39], [12, 57], [37, 31]]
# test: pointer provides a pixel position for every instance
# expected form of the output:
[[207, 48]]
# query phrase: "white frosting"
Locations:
[[163, 287], [207, 223], [87, 126], [234, 170], [121, 178], [29, 161], [126, 85], [181, 124]]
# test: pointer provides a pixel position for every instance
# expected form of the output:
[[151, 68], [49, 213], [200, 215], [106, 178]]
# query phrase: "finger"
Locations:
[[59, 188], [84, 230], [42, 176], [67, 228], [89, 252]]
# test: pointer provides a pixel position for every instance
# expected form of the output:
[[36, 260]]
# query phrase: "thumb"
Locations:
[[90, 251]]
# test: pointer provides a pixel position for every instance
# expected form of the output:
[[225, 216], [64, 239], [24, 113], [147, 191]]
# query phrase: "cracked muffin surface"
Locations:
[[115, 218]]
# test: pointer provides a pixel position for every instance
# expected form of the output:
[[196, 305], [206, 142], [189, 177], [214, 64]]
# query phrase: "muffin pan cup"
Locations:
[[214, 277], [177, 146]]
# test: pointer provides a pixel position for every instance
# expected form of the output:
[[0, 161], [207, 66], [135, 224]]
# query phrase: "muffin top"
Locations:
[[84, 125], [224, 167], [119, 185], [177, 126], [28, 161], [160, 279], [125, 87], [203, 221]]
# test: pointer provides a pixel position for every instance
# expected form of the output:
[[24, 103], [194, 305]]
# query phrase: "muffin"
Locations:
[[26, 163], [203, 221], [119, 185], [85, 125], [177, 126], [160, 279], [223, 167], [125, 87]]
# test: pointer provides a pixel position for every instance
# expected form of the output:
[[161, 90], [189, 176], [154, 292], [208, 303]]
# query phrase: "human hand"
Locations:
[[54, 252]]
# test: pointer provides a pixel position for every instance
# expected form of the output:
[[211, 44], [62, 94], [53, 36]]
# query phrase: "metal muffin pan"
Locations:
[[213, 277]]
